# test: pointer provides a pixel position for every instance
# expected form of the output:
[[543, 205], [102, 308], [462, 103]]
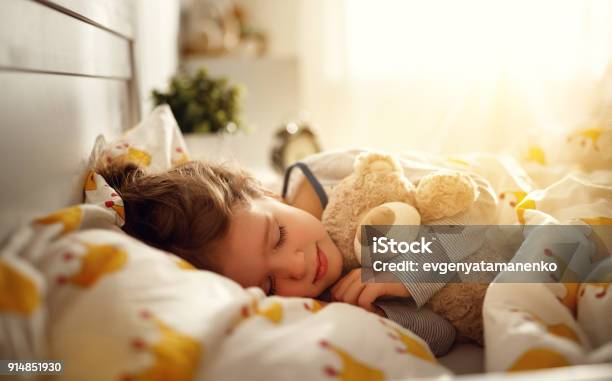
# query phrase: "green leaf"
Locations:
[[201, 103]]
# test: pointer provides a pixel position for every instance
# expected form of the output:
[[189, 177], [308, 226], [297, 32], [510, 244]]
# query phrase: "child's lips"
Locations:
[[321, 265]]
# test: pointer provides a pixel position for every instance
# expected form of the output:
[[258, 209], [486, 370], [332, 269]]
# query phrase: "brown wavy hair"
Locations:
[[185, 210]]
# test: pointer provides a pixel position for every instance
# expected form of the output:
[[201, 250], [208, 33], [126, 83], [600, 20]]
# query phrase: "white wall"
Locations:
[[271, 99], [279, 19], [272, 83], [156, 46]]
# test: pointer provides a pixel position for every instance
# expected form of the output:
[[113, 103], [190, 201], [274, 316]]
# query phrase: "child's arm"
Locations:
[[437, 332], [420, 292], [350, 289], [423, 285]]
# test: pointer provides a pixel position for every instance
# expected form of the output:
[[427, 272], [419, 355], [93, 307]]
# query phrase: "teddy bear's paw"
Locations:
[[390, 213], [444, 194]]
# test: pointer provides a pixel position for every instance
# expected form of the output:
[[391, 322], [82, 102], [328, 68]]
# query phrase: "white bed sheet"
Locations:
[[464, 358]]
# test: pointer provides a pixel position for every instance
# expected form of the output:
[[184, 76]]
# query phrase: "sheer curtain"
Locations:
[[453, 76]]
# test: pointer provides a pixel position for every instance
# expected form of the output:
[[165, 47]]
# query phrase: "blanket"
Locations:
[[556, 322], [542, 325], [73, 287]]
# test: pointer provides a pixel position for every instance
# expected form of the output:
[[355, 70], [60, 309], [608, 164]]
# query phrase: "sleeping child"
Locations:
[[221, 219]]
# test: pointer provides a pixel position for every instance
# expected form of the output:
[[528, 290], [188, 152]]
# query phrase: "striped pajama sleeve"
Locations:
[[423, 285], [436, 331]]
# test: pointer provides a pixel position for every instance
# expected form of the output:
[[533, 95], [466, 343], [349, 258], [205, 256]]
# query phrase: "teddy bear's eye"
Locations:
[[282, 236]]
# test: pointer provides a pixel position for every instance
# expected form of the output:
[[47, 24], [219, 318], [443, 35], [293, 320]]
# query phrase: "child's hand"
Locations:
[[351, 290]]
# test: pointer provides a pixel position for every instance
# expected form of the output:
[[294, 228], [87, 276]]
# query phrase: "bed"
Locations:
[[67, 71], [69, 68]]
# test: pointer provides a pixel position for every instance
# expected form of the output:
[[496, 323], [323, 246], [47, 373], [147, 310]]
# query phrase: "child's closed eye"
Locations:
[[270, 286], [282, 236]]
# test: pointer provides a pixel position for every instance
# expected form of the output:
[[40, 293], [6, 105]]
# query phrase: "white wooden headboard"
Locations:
[[66, 75]]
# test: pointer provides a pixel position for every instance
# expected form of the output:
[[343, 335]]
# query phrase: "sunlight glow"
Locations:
[[477, 39]]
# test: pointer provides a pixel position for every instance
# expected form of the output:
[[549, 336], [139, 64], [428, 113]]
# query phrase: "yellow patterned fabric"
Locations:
[[74, 287], [583, 146], [534, 326], [156, 144], [117, 309]]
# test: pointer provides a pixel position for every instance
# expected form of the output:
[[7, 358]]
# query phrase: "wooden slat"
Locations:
[[114, 15], [48, 125], [35, 37]]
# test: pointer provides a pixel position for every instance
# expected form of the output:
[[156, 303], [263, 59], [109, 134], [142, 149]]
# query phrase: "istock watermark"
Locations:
[[486, 253], [384, 245]]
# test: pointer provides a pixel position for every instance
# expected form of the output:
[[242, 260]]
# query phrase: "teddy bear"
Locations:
[[378, 193]]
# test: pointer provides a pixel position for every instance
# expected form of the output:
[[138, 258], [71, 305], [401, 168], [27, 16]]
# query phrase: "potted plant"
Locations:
[[207, 110]]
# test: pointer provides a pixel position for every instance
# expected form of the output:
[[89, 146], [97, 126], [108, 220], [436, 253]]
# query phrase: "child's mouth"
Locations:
[[321, 265]]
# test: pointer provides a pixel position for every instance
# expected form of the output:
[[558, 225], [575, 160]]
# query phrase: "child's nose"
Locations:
[[291, 265]]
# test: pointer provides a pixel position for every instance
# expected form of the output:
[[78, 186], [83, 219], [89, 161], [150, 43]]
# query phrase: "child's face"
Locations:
[[284, 250]]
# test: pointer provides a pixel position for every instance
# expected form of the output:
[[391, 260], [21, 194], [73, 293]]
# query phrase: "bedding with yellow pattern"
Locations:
[[535, 326], [532, 326], [113, 308], [543, 325], [74, 287]]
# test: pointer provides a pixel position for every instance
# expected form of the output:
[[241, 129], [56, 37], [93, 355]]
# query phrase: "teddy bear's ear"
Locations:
[[375, 162]]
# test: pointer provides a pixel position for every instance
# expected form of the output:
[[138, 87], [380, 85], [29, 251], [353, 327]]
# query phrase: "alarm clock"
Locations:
[[293, 142]]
